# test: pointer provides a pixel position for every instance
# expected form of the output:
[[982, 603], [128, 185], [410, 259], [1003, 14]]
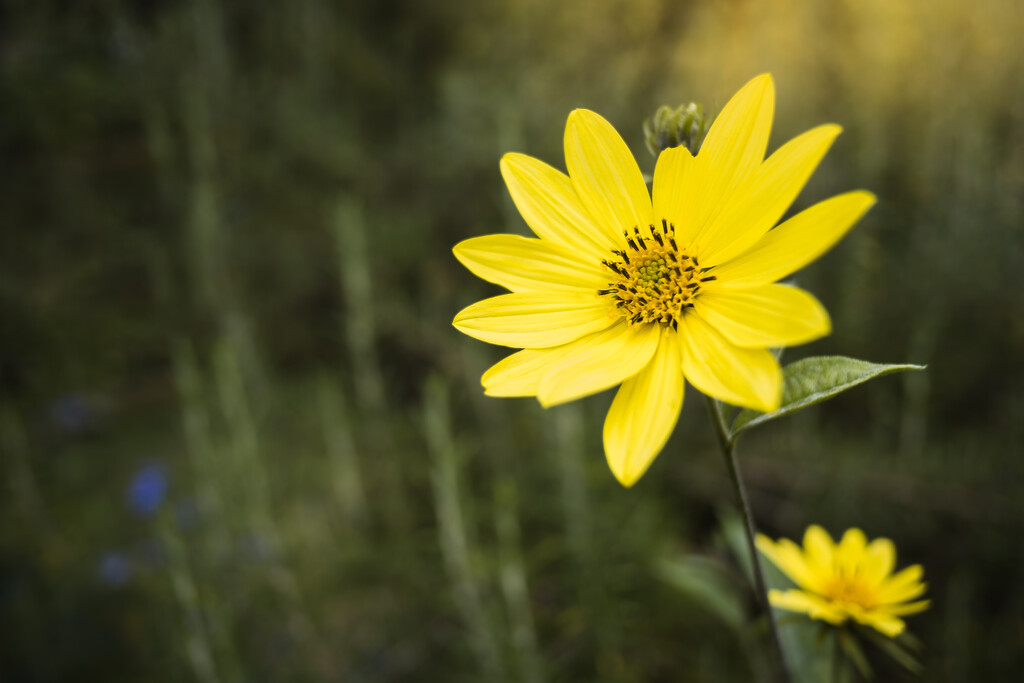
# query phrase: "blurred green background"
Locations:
[[242, 442]]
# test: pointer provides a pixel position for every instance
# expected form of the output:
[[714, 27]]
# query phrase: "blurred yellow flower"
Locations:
[[849, 580], [620, 289]]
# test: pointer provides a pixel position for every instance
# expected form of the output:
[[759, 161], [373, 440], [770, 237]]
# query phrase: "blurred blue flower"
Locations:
[[71, 413], [114, 569], [186, 514], [254, 548], [147, 489]]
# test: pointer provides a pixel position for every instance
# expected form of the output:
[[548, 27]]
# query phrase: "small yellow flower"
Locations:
[[851, 580], [622, 288]]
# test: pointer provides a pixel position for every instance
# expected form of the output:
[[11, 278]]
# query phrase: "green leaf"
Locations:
[[909, 641], [734, 533], [708, 584], [855, 653], [894, 649], [813, 380]]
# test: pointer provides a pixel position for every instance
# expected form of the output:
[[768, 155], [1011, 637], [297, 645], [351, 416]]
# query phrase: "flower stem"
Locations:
[[728, 445], [837, 652]]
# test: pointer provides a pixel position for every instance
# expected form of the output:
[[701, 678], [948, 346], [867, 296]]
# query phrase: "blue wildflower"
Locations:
[[114, 569], [71, 413], [147, 489]]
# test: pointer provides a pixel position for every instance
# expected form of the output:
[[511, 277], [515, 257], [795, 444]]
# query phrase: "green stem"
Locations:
[[728, 445], [836, 657]]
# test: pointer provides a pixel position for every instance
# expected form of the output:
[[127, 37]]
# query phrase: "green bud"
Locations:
[[685, 125]]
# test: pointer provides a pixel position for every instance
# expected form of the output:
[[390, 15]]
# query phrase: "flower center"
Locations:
[[850, 590], [655, 280]]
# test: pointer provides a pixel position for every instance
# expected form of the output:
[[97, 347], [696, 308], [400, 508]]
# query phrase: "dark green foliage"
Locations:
[[225, 248]]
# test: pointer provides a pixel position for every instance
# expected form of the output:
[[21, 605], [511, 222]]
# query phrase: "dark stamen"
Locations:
[[709, 278], [639, 238]]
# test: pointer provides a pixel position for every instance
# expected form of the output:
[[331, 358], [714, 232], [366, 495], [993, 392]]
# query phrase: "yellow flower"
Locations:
[[851, 580], [620, 289]]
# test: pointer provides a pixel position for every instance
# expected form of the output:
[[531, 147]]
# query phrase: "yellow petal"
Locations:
[[523, 264], [765, 316], [604, 360], [520, 374], [879, 559], [535, 321], [605, 174], [765, 196], [809, 604], [884, 623], [750, 378], [909, 608], [548, 203], [819, 549], [676, 188], [819, 553], [850, 550], [796, 242], [644, 413], [733, 149], [892, 596], [902, 586], [787, 557]]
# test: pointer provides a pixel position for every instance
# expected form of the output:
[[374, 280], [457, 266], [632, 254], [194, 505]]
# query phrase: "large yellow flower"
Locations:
[[619, 289], [851, 580]]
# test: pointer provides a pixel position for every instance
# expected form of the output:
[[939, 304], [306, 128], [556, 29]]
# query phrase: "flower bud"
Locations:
[[685, 125]]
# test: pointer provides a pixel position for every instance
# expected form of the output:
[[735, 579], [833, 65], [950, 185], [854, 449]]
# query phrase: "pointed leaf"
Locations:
[[909, 641], [894, 649], [855, 653], [706, 583], [813, 380]]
